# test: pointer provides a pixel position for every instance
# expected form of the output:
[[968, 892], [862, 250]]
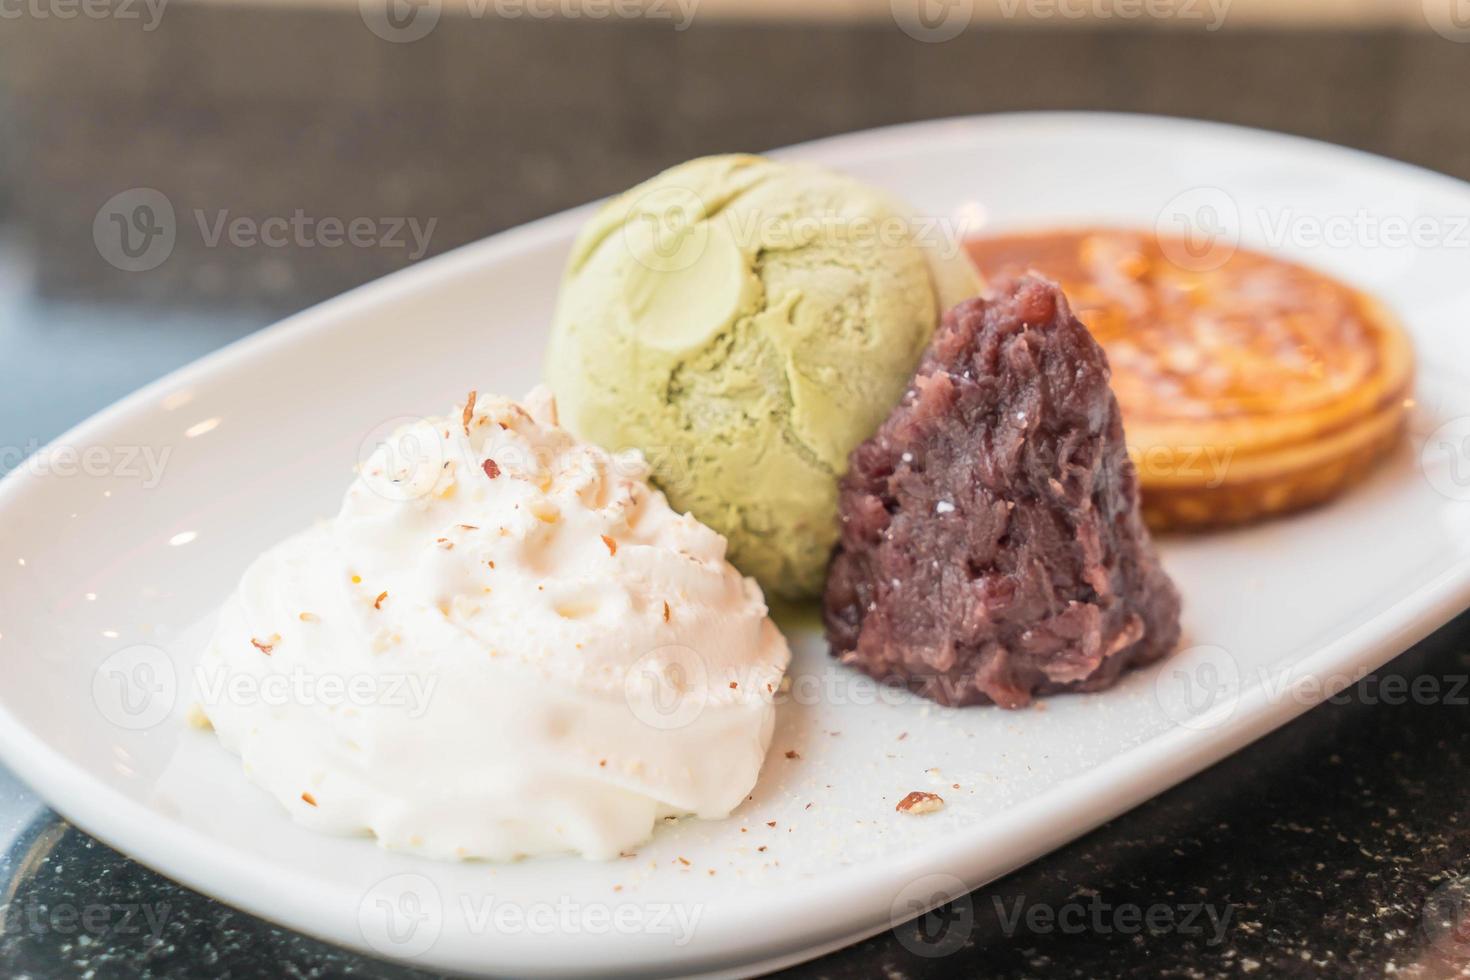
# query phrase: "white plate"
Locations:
[[108, 581]]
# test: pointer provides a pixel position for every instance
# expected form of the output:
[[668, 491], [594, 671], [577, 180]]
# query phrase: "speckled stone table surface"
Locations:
[[1336, 846]]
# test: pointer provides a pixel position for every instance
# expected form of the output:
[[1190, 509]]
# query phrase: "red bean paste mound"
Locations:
[[991, 546]]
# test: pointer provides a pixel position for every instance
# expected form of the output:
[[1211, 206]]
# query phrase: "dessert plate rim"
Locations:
[[739, 943]]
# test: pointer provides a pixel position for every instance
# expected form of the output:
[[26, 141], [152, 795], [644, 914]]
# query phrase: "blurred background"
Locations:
[[476, 115], [430, 123], [175, 174]]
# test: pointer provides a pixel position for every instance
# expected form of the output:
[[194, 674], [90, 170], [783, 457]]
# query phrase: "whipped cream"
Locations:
[[506, 643]]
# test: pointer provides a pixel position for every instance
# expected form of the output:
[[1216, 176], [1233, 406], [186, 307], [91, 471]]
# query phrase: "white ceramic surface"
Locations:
[[109, 575]]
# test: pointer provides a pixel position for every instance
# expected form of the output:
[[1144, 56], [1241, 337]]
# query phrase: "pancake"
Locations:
[[1252, 389]]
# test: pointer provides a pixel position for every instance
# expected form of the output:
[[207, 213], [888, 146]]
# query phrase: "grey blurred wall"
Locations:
[[484, 124]]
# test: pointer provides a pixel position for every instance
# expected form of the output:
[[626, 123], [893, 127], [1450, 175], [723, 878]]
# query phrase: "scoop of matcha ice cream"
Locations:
[[746, 323]]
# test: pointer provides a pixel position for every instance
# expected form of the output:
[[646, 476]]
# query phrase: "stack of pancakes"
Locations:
[[1251, 388]]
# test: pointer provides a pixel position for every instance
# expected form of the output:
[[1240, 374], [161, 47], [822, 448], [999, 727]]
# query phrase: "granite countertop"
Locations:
[[1336, 846]]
